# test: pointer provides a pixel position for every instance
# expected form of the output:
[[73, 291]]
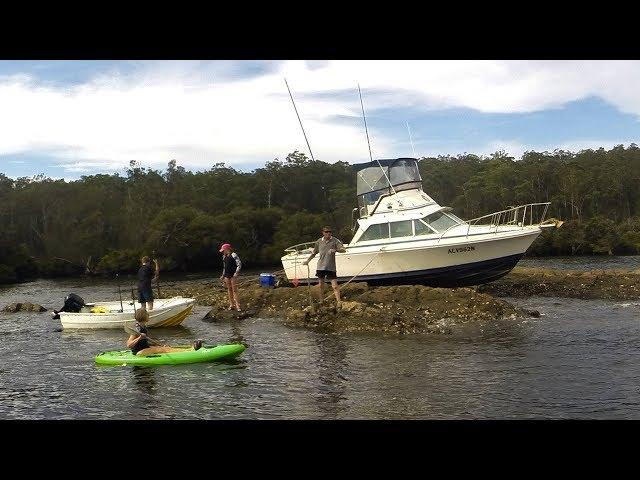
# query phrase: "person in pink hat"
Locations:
[[230, 270]]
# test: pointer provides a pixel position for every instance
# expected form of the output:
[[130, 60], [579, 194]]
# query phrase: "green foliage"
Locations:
[[119, 261], [53, 227], [7, 274]]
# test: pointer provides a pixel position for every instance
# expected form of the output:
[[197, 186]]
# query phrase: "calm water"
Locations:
[[600, 262], [579, 360]]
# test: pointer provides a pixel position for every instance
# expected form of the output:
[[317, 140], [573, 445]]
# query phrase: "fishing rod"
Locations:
[[119, 292], [369, 143], [153, 256]]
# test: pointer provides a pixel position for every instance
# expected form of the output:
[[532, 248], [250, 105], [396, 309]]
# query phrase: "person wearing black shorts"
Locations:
[[327, 246], [231, 266], [146, 275]]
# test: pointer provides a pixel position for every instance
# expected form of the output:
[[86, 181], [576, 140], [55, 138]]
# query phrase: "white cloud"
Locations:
[[180, 110], [516, 149]]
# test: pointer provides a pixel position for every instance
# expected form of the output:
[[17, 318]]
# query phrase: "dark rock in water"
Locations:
[[210, 316], [531, 313], [215, 315], [24, 307]]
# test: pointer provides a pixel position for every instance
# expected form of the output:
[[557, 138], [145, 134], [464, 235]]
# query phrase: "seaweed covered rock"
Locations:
[[216, 314], [545, 282], [24, 307], [401, 309]]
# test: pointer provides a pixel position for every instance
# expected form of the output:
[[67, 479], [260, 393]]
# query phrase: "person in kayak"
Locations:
[[146, 275], [231, 266], [141, 345], [327, 246]]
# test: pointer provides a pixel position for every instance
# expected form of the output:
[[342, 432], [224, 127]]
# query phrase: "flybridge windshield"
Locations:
[[402, 173]]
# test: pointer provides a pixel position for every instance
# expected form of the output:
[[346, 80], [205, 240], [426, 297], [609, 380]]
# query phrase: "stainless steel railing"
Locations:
[[515, 217], [299, 247]]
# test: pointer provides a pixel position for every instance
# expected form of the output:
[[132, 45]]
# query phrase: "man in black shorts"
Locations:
[[146, 275], [327, 246]]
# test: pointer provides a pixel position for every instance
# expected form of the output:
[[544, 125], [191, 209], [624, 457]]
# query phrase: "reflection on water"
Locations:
[[236, 332], [144, 379], [578, 360], [332, 374]]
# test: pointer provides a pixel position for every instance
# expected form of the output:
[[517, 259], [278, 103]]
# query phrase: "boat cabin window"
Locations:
[[401, 229], [421, 228], [440, 221], [376, 232], [455, 217]]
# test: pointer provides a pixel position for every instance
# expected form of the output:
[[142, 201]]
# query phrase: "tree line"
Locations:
[[104, 223]]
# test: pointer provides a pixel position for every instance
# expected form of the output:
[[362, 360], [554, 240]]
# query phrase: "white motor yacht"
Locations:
[[402, 236]]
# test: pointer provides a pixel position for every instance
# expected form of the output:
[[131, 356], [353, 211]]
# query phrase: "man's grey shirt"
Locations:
[[327, 261]]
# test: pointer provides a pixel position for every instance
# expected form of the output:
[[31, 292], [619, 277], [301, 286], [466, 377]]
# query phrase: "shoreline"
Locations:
[[584, 284]]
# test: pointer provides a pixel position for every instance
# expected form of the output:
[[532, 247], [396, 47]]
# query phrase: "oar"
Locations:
[[131, 331]]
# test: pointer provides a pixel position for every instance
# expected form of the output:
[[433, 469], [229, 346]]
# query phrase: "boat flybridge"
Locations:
[[402, 236]]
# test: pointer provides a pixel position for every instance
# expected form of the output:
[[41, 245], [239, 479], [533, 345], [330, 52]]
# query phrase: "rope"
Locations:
[[351, 279]]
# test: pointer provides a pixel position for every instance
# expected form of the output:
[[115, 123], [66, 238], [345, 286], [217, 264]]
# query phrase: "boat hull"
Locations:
[[464, 275], [456, 263], [167, 313]]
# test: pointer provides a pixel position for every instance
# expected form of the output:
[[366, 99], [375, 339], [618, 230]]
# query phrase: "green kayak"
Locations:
[[204, 354]]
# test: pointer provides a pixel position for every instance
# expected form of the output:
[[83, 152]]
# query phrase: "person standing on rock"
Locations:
[[146, 275], [230, 270], [327, 246]]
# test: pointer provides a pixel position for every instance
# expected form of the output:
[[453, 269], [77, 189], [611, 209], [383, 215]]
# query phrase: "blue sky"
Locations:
[[71, 118]]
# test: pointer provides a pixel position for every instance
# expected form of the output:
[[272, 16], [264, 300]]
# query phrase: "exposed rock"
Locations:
[[24, 307], [400, 309], [216, 314], [604, 284]]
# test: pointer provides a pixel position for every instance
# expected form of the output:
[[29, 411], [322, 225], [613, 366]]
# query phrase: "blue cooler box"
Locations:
[[268, 280]]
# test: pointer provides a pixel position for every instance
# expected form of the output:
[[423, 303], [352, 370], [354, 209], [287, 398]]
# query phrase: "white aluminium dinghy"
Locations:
[[167, 312]]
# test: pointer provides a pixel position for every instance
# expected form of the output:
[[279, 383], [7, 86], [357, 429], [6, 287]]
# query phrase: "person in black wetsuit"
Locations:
[[231, 266], [146, 275], [139, 342], [141, 345]]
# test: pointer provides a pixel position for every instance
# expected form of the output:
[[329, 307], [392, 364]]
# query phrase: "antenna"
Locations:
[[411, 140], [303, 132], [369, 143]]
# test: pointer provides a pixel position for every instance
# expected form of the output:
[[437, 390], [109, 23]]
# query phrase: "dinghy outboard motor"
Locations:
[[72, 303]]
